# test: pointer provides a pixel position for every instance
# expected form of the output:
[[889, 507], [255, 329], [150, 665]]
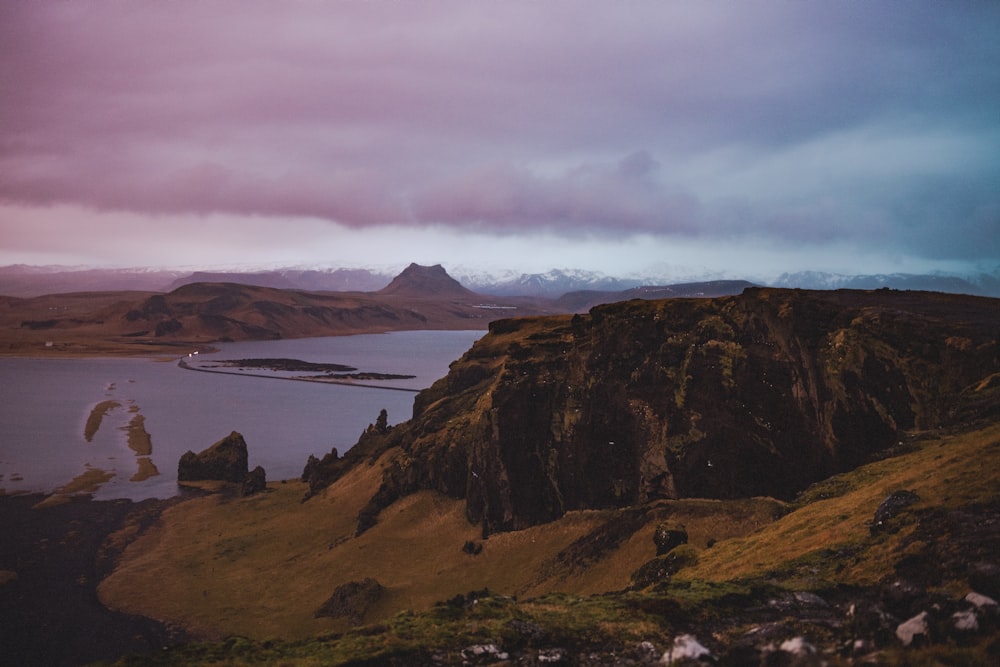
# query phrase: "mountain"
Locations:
[[26, 281], [426, 282], [198, 314], [316, 280], [983, 283], [551, 284], [582, 301], [759, 394]]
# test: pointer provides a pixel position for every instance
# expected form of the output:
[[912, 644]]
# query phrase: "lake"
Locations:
[[66, 421]]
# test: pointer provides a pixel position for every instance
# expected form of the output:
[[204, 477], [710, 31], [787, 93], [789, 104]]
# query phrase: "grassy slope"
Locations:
[[824, 541], [946, 472], [258, 567]]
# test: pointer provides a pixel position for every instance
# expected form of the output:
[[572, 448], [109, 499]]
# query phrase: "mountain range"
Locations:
[[24, 281]]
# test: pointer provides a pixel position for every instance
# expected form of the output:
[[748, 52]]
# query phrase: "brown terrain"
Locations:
[[779, 477], [197, 315]]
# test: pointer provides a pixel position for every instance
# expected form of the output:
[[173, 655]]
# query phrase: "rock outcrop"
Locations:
[[757, 394], [226, 460], [254, 482], [351, 600]]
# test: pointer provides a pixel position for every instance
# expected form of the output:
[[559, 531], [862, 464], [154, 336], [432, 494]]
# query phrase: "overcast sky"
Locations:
[[737, 138]]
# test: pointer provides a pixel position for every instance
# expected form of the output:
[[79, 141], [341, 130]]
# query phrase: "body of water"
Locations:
[[65, 421]]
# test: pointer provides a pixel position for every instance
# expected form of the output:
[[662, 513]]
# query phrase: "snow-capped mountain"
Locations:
[[551, 284], [24, 281], [983, 283]]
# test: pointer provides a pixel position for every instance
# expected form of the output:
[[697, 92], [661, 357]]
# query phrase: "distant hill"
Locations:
[[426, 282], [983, 284], [27, 281], [198, 314], [332, 280]]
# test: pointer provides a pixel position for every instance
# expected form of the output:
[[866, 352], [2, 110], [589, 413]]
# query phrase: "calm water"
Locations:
[[45, 403]]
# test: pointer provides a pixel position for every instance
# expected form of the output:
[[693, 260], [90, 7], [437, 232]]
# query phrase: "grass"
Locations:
[[258, 567], [835, 516]]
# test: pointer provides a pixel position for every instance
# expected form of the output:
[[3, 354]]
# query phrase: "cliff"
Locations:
[[757, 394]]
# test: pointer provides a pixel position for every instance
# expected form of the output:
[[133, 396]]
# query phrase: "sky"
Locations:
[[738, 139]]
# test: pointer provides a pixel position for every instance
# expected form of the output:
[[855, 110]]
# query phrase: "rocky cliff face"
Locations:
[[757, 394]]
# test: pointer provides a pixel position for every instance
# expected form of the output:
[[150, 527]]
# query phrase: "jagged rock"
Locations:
[[226, 460], [914, 629], [669, 535], [979, 600], [646, 653], [794, 652], [754, 395], [663, 567], [965, 620], [481, 651], [351, 600], [686, 647], [890, 507], [528, 631], [254, 482], [551, 655]]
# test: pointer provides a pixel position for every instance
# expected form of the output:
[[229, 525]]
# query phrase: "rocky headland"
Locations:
[[760, 394], [775, 478]]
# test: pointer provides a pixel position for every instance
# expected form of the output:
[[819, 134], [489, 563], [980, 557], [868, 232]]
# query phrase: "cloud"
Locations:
[[794, 122], [613, 199]]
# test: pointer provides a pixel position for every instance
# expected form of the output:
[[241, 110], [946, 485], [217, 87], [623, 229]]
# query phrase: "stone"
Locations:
[[891, 507], [254, 482], [686, 647], [669, 535], [797, 646], [226, 461], [484, 651], [662, 568], [528, 631], [979, 600], [646, 653], [551, 655], [351, 600], [914, 629], [965, 621]]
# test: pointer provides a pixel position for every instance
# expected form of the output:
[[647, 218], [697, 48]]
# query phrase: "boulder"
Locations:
[[254, 482], [914, 629], [669, 535], [662, 568], [226, 460], [890, 507], [351, 600], [686, 647]]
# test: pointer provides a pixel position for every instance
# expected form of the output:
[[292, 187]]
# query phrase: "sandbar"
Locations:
[[96, 416]]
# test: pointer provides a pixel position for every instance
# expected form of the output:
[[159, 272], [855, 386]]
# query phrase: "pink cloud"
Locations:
[[455, 113]]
